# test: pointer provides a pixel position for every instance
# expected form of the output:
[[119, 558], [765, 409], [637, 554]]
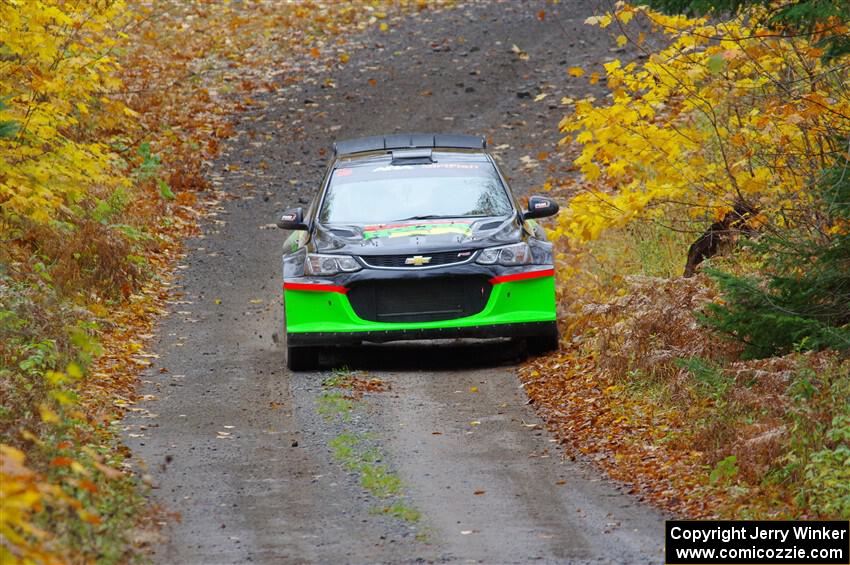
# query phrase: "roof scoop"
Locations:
[[408, 141], [411, 157]]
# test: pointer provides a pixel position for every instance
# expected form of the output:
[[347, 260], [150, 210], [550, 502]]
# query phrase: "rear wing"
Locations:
[[408, 141]]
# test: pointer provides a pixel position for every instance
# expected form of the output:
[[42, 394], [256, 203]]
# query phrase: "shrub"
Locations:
[[802, 301]]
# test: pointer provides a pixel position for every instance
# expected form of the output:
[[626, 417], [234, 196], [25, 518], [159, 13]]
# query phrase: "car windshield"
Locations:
[[380, 192]]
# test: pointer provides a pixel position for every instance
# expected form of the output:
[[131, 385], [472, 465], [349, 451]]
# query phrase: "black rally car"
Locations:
[[415, 236]]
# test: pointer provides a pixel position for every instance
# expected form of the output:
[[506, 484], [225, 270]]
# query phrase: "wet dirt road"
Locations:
[[249, 455]]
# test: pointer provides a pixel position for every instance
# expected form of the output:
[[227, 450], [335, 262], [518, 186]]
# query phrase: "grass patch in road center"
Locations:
[[334, 403], [353, 452], [359, 453], [379, 480], [403, 512]]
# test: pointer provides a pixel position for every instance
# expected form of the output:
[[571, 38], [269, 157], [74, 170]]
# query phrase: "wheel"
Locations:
[[542, 344], [299, 357], [302, 358]]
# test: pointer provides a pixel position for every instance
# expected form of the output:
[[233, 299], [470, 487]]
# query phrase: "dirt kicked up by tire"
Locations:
[[402, 452]]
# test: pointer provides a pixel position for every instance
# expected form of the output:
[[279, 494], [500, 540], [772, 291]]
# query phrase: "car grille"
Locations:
[[435, 259], [419, 300]]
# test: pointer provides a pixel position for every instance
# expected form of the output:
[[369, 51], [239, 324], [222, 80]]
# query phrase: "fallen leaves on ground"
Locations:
[[582, 408], [641, 391], [360, 384]]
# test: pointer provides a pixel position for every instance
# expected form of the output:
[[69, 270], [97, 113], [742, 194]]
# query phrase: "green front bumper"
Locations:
[[521, 307]]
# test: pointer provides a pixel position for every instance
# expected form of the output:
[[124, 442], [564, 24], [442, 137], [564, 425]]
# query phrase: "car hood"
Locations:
[[418, 236]]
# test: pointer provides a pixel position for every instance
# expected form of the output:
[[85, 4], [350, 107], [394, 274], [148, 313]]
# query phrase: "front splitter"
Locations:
[[523, 329]]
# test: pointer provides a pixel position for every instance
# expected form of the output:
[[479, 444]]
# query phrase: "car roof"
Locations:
[[410, 157], [390, 142]]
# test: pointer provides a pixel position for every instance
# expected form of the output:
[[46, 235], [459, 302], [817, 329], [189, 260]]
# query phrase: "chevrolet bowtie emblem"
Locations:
[[417, 260]]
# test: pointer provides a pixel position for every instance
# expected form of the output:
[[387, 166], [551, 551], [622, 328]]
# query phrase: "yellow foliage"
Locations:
[[727, 113], [56, 72], [23, 494]]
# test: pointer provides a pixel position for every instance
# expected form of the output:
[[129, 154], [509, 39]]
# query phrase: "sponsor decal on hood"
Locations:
[[435, 227]]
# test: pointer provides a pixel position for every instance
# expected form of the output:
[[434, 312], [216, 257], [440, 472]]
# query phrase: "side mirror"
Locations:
[[292, 220], [540, 207]]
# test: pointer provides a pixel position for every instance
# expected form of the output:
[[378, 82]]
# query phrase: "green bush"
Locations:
[[827, 475], [801, 301]]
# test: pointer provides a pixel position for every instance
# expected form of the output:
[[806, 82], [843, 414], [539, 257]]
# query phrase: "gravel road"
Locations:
[[247, 454]]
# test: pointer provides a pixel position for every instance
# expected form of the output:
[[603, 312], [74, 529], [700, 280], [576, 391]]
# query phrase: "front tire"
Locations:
[[302, 358], [299, 357], [542, 344]]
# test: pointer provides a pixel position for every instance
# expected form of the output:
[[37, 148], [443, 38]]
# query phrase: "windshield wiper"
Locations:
[[439, 217]]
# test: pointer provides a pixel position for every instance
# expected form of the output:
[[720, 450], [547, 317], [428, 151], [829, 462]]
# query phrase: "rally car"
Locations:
[[415, 236]]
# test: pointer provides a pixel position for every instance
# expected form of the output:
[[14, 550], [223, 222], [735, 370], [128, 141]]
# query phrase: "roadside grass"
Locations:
[[63, 470], [667, 406], [646, 249], [359, 453], [104, 506]]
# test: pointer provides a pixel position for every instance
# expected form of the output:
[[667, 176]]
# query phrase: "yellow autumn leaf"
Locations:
[[47, 414], [74, 371], [601, 21]]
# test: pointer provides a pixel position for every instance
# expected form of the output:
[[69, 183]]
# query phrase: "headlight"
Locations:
[[330, 264], [516, 254]]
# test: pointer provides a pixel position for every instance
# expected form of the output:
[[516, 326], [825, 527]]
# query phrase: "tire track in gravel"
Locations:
[[237, 447]]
